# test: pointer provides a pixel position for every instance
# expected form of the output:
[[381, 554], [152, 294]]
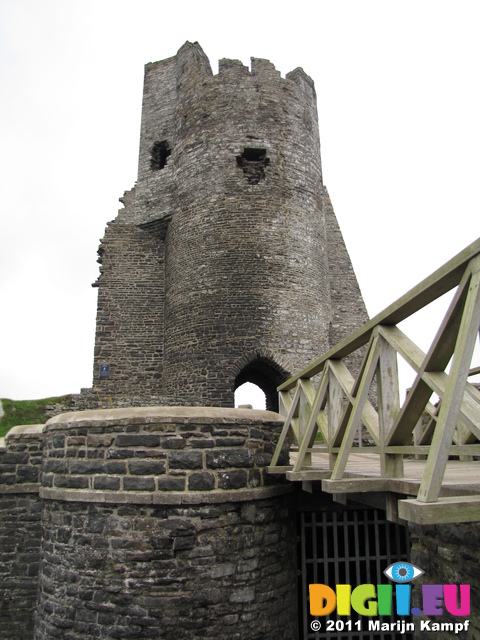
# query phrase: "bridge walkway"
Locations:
[[351, 434]]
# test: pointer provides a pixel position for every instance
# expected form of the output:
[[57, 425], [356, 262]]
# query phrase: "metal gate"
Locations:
[[346, 546]]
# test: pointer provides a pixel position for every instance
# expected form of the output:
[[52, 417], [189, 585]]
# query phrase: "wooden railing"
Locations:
[[324, 407]]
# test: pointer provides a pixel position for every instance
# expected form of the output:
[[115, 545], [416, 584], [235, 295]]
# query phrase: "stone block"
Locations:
[[147, 467], [115, 467], [138, 484], [58, 441], [100, 440], [230, 441], [173, 443], [201, 481], [243, 596], [200, 443], [228, 458], [185, 460], [87, 467], [137, 440], [106, 483], [71, 482], [28, 474], [167, 483], [234, 479]]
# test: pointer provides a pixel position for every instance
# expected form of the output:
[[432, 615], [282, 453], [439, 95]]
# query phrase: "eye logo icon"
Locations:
[[402, 572]]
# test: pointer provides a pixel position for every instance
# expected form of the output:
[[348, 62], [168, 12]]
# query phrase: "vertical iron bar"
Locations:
[[314, 548], [367, 546], [304, 576]]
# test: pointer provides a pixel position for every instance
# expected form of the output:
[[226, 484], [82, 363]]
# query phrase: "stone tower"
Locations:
[[226, 264]]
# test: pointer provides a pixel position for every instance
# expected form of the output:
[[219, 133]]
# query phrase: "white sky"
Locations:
[[398, 100]]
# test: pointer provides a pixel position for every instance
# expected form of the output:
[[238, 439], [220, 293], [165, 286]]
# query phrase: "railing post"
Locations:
[[305, 408], [335, 413], [452, 399], [361, 396], [388, 406]]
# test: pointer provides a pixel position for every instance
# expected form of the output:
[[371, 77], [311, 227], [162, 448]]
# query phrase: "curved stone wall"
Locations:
[[226, 263], [20, 529], [161, 522], [245, 262]]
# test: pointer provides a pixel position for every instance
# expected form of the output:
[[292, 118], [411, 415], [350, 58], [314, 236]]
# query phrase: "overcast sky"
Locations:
[[398, 100]]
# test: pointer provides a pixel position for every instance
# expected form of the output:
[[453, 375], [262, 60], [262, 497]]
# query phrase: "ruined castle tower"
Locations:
[[226, 264]]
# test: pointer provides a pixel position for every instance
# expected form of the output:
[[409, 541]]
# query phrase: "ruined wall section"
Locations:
[[129, 335], [154, 193], [217, 270]]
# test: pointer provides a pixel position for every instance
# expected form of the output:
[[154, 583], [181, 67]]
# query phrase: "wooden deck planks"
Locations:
[[367, 466]]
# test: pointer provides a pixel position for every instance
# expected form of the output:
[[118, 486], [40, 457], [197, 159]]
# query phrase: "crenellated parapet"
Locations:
[[184, 104]]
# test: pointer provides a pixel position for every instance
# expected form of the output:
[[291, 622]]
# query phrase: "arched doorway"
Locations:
[[265, 374], [249, 394]]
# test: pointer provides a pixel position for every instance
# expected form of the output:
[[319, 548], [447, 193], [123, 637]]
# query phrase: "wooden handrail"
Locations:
[[336, 407]]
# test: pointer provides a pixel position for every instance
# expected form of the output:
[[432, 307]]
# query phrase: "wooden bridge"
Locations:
[[419, 461]]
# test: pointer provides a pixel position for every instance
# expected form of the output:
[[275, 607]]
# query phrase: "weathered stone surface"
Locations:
[[100, 552], [169, 572], [218, 459], [235, 479], [229, 166], [201, 481], [173, 443], [20, 530], [448, 554], [71, 482], [154, 516], [185, 460], [107, 483], [139, 484], [171, 484], [137, 440], [125, 438], [146, 467]]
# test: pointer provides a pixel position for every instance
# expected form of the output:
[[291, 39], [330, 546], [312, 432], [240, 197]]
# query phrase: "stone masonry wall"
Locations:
[[174, 449], [448, 554], [170, 572], [161, 522], [256, 273], [219, 270], [20, 530], [130, 311]]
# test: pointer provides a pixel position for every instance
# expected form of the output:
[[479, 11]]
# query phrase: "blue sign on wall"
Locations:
[[104, 370]]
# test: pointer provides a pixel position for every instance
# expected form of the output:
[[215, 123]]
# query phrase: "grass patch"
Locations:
[[27, 411]]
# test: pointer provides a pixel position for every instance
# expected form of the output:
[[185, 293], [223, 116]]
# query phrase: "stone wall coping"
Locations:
[[26, 487], [25, 430], [163, 497], [148, 415]]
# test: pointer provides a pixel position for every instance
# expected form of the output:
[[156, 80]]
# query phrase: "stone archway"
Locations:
[[267, 375]]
